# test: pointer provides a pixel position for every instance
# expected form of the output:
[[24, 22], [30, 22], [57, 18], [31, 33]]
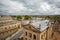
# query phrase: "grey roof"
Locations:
[[39, 24]]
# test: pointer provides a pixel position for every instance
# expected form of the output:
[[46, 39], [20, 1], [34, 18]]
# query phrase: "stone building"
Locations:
[[56, 30], [8, 27], [37, 29]]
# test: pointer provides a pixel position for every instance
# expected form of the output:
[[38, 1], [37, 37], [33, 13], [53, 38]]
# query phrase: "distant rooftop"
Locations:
[[7, 20], [8, 23]]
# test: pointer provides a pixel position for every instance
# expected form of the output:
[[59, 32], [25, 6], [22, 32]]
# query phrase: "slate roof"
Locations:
[[39, 24]]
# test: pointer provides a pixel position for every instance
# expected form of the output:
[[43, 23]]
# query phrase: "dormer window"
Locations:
[[39, 26], [47, 24]]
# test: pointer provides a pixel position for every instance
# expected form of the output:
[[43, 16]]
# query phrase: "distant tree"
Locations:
[[27, 17], [48, 16], [13, 16], [19, 17]]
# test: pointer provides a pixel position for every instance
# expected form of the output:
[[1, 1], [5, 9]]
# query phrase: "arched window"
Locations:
[[18, 26], [25, 38], [5, 27], [34, 37], [26, 33], [41, 36], [30, 35]]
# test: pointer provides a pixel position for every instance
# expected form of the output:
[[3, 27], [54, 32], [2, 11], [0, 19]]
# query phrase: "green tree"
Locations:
[[19, 17], [27, 17]]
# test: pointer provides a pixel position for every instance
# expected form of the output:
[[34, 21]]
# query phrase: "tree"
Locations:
[[27, 17], [19, 17]]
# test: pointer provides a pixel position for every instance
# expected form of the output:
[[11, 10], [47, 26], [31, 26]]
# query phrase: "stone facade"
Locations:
[[8, 27], [32, 33]]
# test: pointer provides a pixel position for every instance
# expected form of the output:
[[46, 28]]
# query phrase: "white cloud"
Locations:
[[13, 6], [45, 6], [16, 6]]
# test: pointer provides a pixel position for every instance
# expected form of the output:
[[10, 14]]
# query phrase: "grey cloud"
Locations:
[[30, 7], [55, 2]]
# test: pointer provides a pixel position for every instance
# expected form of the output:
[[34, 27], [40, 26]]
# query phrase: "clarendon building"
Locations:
[[37, 29]]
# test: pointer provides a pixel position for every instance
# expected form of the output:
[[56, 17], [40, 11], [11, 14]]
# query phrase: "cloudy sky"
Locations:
[[30, 7]]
